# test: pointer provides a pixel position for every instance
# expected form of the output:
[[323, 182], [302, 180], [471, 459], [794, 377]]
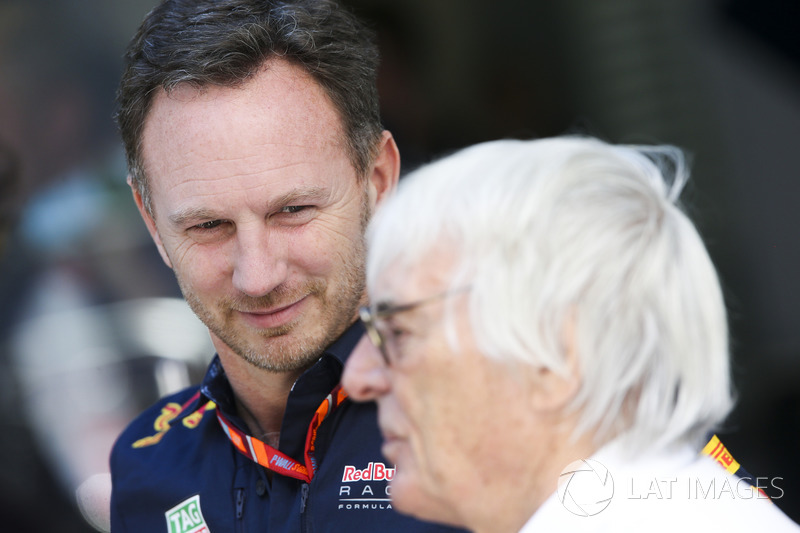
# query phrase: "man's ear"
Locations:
[[554, 390], [385, 172], [149, 222]]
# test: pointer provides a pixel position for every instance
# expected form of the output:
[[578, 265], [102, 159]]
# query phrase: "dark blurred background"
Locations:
[[91, 329]]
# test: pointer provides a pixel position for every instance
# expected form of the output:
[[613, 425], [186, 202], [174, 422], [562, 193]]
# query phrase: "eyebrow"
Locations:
[[192, 214], [300, 195], [384, 306], [389, 308], [184, 216]]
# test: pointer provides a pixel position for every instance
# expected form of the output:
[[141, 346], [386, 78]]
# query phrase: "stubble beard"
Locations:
[[303, 343]]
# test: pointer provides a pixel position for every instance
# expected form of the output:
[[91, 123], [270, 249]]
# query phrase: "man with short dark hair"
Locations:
[[256, 158]]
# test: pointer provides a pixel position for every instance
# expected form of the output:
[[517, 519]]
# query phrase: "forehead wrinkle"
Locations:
[[243, 174], [196, 183], [308, 152], [250, 103], [402, 283]]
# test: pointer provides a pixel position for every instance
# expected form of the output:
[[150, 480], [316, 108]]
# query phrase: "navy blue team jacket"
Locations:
[[174, 469]]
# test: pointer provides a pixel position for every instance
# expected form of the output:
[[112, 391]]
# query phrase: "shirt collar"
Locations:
[[624, 466], [216, 387], [343, 346]]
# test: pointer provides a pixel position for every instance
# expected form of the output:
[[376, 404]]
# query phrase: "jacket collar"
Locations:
[[216, 387]]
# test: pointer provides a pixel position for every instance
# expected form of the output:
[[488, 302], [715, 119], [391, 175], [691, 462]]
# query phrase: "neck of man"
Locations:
[[535, 480], [260, 395]]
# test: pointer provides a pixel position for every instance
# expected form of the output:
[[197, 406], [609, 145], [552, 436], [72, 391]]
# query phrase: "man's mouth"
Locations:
[[274, 317]]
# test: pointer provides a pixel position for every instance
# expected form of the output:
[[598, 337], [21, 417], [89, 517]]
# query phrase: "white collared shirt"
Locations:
[[678, 490]]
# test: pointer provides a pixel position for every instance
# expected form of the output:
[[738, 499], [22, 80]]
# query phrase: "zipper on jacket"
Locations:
[[303, 497], [304, 489], [239, 503]]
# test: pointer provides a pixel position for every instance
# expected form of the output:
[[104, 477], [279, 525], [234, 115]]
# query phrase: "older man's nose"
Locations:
[[365, 375]]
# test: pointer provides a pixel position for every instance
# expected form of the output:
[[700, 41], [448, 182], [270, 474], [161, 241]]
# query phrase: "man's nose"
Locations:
[[261, 260], [365, 375]]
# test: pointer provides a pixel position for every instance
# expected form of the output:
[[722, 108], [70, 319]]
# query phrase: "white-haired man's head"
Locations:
[[531, 301], [574, 229]]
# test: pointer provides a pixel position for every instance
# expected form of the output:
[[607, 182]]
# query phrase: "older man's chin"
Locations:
[[409, 498]]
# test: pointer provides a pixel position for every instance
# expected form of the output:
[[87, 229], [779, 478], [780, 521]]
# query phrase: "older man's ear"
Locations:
[[553, 390]]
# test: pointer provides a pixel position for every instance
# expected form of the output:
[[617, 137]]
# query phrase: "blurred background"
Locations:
[[92, 327]]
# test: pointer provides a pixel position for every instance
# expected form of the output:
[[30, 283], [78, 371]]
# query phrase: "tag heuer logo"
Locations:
[[186, 517]]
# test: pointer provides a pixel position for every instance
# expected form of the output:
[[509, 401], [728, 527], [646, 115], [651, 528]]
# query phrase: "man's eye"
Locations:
[[394, 333], [211, 224], [291, 209], [397, 331]]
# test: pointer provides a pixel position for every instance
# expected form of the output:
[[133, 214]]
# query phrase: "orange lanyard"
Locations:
[[275, 460]]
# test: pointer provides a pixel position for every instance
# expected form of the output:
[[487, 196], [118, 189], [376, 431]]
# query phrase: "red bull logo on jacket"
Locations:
[[373, 472]]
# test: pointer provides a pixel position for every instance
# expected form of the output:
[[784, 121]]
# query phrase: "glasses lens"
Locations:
[[372, 331]]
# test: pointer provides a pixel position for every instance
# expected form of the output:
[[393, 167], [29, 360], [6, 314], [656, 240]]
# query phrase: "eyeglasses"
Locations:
[[372, 316]]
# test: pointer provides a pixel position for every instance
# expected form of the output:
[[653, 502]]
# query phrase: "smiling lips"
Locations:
[[274, 318]]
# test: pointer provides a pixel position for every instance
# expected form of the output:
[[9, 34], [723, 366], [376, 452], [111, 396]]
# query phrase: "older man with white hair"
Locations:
[[550, 345]]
